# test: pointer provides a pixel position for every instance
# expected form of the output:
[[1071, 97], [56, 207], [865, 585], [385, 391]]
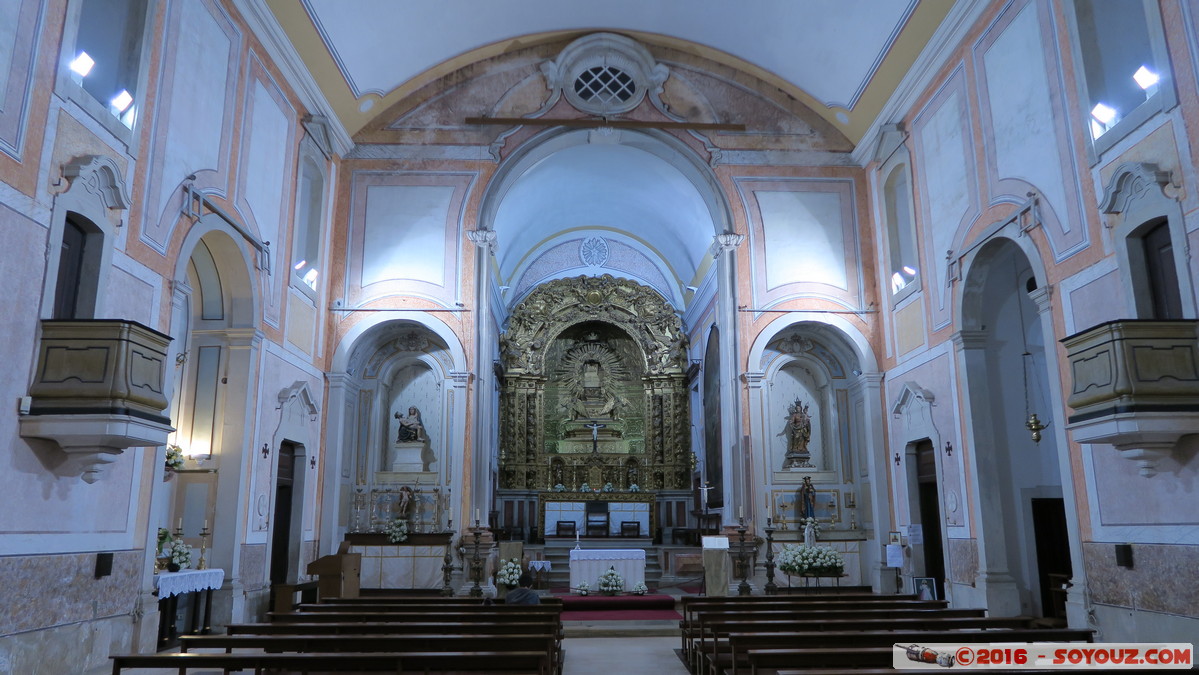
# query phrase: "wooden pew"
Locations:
[[713, 638], [393, 627], [693, 628], [509, 662], [423, 600], [513, 612], [412, 607], [790, 650], [545, 642]]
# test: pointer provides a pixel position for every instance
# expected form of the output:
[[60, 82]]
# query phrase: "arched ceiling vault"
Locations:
[[841, 59]]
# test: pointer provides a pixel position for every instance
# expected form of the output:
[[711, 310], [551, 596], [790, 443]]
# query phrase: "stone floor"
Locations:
[[632, 655]]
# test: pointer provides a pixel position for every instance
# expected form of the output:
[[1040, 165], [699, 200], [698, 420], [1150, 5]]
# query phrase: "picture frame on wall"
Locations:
[[893, 537], [925, 588]]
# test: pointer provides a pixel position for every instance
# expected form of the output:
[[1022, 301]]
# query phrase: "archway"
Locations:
[[1018, 480]]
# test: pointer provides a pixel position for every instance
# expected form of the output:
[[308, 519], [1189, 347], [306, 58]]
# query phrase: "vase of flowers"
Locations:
[[583, 588], [173, 554], [607, 487], [639, 589], [397, 530], [559, 488], [585, 487], [816, 561], [610, 582], [634, 488], [174, 462], [509, 574]]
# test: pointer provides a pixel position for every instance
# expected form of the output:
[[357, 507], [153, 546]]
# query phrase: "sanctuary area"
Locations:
[[621, 307]]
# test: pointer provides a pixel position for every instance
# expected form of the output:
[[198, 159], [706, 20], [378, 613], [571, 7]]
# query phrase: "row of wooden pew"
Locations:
[[845, 633], [384, 634]]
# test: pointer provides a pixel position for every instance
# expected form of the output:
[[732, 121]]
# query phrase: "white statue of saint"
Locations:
[[809, 534]]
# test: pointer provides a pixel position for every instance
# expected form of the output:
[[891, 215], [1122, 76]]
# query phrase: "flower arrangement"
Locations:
[[634, 488], [559, 488], [585, 487], [815, 560], [583, 588], [509, 574], [173, 550], [174, 457], [397, 530], [607, 487], [639, 589], [610, 582]]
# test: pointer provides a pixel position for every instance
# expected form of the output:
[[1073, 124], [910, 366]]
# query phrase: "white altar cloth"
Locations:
[[588, 564], [187, 581]]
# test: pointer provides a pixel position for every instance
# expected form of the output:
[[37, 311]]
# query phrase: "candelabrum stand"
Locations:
[[742, 555], [447, 563], [771, 587], [476, 567], [203, 564]]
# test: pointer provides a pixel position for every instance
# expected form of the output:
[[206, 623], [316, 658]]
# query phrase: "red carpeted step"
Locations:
[[616, 602]]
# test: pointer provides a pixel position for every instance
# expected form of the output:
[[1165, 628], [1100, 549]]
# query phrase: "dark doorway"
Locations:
[[1163, 275], [1053, 554], [930, 513], [70, 271], [281, 522]]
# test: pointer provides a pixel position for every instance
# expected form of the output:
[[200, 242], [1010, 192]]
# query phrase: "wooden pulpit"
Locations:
[[337, 574]]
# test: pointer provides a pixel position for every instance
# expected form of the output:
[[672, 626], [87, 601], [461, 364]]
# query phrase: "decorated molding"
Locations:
[[725, 242], [100, 176], [605, 50], [911, 393], [1131, 182], [483, 239], [300, 392], [317, 127]]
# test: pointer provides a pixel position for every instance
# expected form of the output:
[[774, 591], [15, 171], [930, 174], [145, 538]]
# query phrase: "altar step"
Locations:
[[557, 551]]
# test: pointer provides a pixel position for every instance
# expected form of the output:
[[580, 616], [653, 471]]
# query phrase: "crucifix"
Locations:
[[703, 498], [595, 427]]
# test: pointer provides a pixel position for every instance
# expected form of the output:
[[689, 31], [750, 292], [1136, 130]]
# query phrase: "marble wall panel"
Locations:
[[54, 590], [265, 171], [193, 118], [1162, 578], [963, 561], [253, 566], [947, 186], [1125, 498], [72, 648], [1023, 115], [20, 32]]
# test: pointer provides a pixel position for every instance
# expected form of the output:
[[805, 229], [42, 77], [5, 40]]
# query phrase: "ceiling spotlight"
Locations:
[[1145, 78], [122, 101], [1103, 113], [82, 65]]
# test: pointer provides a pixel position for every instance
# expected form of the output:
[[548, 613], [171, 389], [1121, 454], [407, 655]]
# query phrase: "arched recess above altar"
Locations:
[[593, 393], [403, 397]]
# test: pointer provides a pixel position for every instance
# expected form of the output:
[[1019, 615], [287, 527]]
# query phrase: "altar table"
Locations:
[[588, 564], [187, 584]]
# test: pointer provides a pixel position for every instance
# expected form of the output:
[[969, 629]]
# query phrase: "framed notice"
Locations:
[[893, 537], [926, 588]]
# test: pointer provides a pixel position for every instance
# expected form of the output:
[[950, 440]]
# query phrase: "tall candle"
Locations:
[[180, 525], [741, 511], [476, 516], [205, 523]]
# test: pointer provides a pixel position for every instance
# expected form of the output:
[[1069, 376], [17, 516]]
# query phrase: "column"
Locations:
[[477, 464], [735, 489], [336, 466], [879, 468], [995, 581]]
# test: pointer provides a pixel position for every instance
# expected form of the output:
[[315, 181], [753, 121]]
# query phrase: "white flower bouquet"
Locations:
[[610, 582], [559, 488], [607, 487], [173, 550], [585, 487], [816, 527], [639, 589], [634, 488], [174, 458], [509, 574], [583, 588], [397, 530], [813, 560]]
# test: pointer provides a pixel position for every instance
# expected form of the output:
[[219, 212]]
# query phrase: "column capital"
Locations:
[[726, 242], [484, 239], [1043, 297], [969, 339], [754, 380]]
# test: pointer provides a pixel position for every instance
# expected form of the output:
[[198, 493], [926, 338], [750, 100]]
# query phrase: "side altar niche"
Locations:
[[594, 389]]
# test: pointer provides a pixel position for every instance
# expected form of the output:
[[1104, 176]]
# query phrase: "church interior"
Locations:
[[298, 282]]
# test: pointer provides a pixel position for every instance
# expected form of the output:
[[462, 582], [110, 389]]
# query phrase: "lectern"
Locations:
[[337, 574], [716, 566]]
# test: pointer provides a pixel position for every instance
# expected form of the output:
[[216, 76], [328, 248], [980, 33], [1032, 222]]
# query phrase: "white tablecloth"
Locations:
[[588, 564], [187, 581], [540, 565]]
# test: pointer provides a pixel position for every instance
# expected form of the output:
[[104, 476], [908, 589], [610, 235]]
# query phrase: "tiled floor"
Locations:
[[626, 655]]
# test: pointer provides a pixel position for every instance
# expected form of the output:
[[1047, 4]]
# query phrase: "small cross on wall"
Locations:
[[897, 459]]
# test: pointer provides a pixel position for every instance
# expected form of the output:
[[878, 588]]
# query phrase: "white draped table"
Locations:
[[588, 564], [188, 581]]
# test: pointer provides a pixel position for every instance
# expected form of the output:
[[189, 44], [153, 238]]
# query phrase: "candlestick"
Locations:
[[741, 511], [205, 524], [180, 525]]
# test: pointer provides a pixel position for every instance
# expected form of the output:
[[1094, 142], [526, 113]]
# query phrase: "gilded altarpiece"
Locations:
[[594, 389]]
